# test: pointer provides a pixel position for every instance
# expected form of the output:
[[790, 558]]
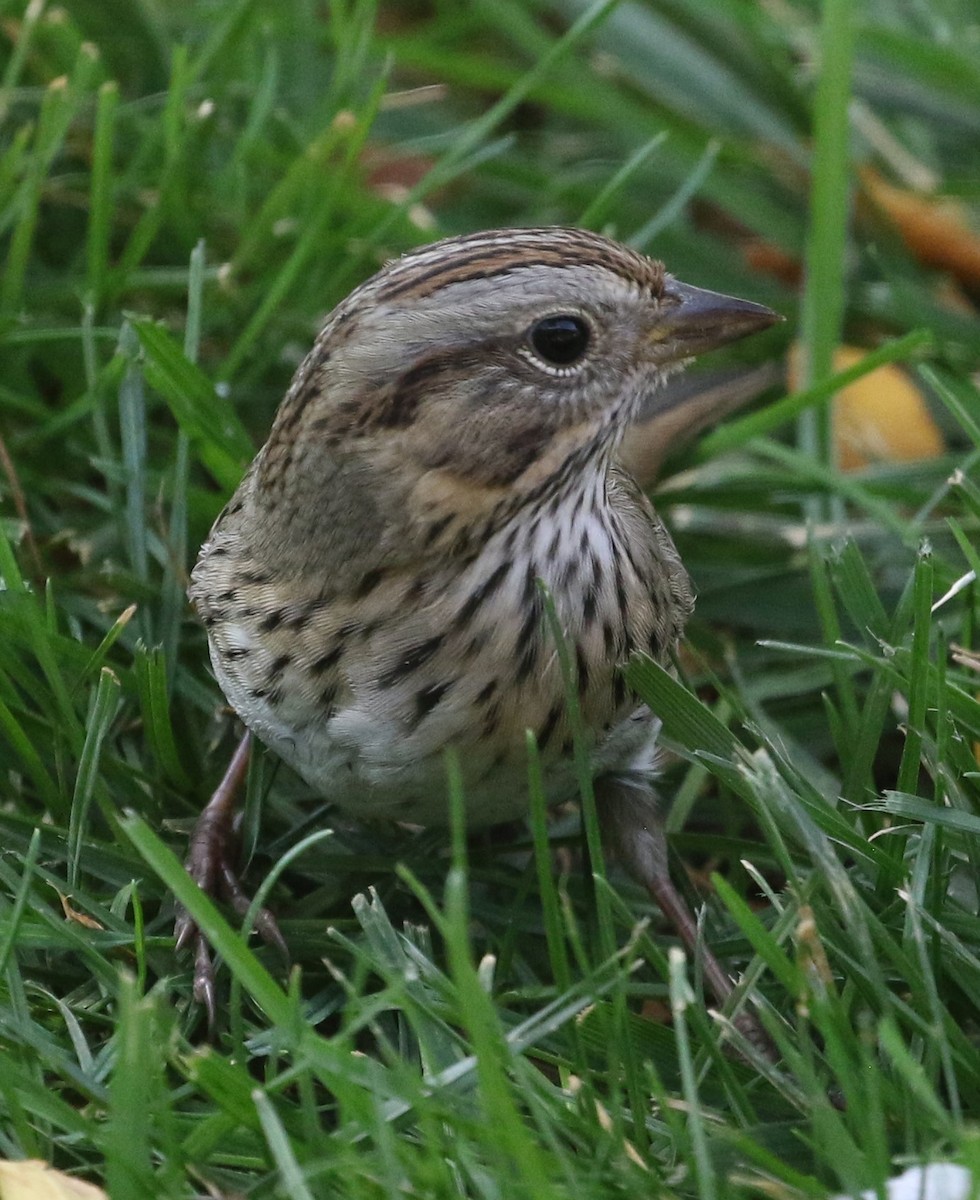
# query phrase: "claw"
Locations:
[[204, 990], [267, 927], [184, 930], [265, 923]]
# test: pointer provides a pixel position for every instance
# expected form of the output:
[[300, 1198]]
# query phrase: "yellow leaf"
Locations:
[[883, 417]]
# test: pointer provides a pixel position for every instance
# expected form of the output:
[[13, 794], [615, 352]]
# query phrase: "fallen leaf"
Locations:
[[936, 229], [882, 417], [32, 1179], [80, 918]]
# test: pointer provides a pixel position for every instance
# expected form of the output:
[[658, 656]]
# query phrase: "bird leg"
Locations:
[[633, 829], [210, 863]]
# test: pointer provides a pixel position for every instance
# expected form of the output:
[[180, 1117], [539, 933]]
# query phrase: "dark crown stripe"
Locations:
[[459, 260], [482, 265]]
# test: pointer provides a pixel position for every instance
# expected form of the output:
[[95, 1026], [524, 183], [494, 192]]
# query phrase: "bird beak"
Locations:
[[690, 320]]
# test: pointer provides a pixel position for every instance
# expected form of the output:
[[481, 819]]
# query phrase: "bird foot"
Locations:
[[210, 858], [628, 810]]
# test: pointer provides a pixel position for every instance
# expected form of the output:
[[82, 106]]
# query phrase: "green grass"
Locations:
[[185, 190]]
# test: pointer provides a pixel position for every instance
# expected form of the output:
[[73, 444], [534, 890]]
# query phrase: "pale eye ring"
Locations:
[[561, 339]]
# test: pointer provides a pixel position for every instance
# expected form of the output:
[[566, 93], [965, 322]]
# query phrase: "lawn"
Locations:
[[185, 191]]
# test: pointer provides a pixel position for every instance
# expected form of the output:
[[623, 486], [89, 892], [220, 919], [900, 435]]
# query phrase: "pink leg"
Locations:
[[210, 863]]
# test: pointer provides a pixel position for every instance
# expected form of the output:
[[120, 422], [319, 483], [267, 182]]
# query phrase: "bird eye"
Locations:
[[560, 340]]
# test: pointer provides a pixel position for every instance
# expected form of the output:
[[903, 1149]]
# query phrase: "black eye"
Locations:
[[560, 340]]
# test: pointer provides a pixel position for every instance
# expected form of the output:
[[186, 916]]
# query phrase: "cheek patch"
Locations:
[[491, 447]]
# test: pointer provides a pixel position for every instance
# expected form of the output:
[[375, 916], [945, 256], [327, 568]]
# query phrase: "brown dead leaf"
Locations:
[[936, 229], [80, 918]]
